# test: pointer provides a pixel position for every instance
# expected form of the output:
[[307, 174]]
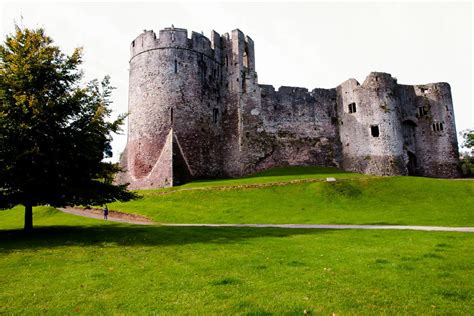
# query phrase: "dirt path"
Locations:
[[115, 216]]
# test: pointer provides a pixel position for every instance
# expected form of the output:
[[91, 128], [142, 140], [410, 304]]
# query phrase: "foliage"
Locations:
[[467, 165], [54, 133], [467, 159], [468, 136], [78, 265]]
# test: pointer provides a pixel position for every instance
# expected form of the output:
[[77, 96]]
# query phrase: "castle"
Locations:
[[196, 110]]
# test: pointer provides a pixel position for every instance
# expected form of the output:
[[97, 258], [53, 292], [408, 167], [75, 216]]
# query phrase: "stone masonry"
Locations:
[[196, 110]]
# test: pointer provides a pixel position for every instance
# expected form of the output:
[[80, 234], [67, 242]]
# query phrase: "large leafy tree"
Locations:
[[54, 132]]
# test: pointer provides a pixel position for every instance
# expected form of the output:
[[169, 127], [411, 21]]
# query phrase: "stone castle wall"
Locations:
[[196, 110]]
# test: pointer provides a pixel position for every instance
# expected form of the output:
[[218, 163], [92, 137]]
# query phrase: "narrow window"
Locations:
[[171, 115], [175, 66], [352, 108], [422, 110], [133, 44], [215, 114], [374, 130], [437, 127], [172, 37]]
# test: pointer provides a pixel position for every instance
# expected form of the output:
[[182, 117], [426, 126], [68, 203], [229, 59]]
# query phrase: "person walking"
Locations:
[[106, 212]]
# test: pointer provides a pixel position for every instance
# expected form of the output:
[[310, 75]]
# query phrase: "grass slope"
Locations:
[[77, 265], [353, 199]]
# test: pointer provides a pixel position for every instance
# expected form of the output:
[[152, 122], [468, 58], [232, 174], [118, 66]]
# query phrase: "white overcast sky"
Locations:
[[312, 45]]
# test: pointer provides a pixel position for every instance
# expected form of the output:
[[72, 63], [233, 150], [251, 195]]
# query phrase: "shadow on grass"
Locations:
[[121, 235]]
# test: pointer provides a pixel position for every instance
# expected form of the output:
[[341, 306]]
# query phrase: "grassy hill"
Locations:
[[308, 198], [72, 264]]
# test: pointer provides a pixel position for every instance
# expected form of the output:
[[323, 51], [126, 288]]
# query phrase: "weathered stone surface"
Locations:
[[197, 111]]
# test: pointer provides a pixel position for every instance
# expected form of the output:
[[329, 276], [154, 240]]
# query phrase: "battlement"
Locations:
[[441, 88], [172, 37], [283, 89]]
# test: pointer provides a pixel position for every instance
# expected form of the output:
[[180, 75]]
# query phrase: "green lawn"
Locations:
[[76, 265], [353, 199]]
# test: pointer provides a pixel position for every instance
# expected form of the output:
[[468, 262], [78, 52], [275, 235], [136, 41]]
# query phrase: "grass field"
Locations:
[[77, 265], [353, 199], [71, 264]]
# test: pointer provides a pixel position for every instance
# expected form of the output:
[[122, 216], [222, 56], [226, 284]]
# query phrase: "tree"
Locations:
[[467, 159], [54, 133], [468, 136]]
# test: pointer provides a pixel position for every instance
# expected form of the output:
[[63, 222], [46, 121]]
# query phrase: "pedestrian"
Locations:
[[106, 212]]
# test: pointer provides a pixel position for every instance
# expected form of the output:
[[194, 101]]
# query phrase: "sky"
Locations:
[[306, 44]]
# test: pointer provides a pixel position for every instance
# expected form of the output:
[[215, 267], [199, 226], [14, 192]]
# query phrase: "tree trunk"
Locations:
[[28, 218]]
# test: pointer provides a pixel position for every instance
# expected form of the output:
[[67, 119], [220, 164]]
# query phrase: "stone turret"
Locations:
[[370, 126]]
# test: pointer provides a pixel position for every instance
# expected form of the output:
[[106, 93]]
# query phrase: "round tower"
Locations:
[[370, 126], [437, 146], [173, 101]]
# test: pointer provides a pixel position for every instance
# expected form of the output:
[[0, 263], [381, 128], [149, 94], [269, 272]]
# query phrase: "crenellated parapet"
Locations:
[[177, 38]]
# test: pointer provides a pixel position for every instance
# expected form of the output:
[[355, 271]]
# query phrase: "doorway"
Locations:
[[411, 165]]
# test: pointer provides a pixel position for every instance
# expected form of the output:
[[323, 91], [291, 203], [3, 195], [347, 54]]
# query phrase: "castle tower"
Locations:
[[241, 93], [370, 126], [436, 143], [174, 108]]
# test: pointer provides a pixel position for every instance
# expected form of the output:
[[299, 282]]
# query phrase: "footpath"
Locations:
[[115, 216]]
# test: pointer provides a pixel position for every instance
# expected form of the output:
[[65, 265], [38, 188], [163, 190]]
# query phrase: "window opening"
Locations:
[[175, 66], [246, 58], [215, 115], [352, 108], [438, 127], [374, 130], [422, 110]]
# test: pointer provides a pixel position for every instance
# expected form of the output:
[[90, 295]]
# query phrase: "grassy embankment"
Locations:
[[353, 199]]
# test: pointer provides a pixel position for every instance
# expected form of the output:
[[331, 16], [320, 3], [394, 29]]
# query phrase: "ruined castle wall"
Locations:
[[290, 126], [197, 111], [371, 136]]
